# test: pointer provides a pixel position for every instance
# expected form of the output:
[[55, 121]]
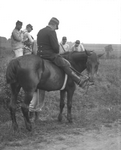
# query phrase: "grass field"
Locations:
[[100, 107]]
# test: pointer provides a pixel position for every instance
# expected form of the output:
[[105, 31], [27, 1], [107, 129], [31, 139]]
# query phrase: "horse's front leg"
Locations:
[[12, 105], [25, 109], [70, 93], [62, 104]]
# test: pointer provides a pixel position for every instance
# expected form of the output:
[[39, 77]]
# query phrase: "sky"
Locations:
[[90, 21]]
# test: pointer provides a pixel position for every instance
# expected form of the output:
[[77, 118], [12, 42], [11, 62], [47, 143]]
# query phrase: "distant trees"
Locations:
[[108, 50], [4, 43]]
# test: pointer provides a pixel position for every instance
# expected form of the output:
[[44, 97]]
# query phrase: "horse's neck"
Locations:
[[77, 59]]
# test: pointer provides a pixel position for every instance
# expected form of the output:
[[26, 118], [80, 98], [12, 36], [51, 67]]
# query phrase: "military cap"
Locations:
[[64, 38], [54, 21], [29, 25], [77, 42], [19, 22]]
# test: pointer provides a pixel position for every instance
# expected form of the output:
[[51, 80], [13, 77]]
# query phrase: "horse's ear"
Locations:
[[100, 55], [88, 53]]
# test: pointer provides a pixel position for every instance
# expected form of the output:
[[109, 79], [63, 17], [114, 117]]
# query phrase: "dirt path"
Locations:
[[107, 138]]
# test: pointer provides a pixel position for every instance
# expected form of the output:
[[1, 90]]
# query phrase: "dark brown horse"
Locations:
[[31, 73]]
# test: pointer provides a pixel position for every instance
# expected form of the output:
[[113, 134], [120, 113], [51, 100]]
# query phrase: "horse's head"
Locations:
[[92, 64], [80, 61]]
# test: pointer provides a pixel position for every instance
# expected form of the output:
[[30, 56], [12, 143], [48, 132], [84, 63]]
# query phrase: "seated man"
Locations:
[[48, 48], [64, 47], [77, 46], [28, 40]]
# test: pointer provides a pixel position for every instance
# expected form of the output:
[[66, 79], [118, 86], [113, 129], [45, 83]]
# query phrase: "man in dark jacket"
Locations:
[[48, 48]]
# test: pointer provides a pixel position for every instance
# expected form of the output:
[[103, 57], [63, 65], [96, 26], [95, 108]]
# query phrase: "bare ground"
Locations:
[[56, 136]]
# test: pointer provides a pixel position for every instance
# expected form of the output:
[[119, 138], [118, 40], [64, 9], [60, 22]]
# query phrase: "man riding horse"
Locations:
[[48, 48]]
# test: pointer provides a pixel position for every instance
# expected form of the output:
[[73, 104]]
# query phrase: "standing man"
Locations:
[[17, 39], [64, 47], [77, 46], [28, 40]]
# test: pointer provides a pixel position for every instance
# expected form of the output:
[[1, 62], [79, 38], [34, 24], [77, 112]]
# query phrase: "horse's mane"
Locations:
[[74, 54]]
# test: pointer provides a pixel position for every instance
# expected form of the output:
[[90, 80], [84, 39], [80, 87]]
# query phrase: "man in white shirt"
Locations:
[[64, 47], [17, 39], [77, 46], [28, 40]]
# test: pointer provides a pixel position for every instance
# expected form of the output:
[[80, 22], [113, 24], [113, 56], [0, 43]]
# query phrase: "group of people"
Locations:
[[48, 46], [21, 40], [64, 47]]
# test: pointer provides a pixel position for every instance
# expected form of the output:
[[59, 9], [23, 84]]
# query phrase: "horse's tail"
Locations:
[[11, 71]]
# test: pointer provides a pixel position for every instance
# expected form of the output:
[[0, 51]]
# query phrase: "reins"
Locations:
[[77, 72]]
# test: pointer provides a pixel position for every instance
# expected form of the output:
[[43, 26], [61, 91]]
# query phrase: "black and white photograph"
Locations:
[[60, 75]]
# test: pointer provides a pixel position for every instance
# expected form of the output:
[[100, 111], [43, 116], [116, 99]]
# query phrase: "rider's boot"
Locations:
[[74, 76]]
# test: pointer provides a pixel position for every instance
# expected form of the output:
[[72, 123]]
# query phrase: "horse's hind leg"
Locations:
[[70, 93], [25, 109], [12, 106], [62, 104]]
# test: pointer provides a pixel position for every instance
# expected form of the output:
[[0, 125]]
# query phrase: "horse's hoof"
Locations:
[[60, 118], [15, 127], [69, 119], [29, 127]]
